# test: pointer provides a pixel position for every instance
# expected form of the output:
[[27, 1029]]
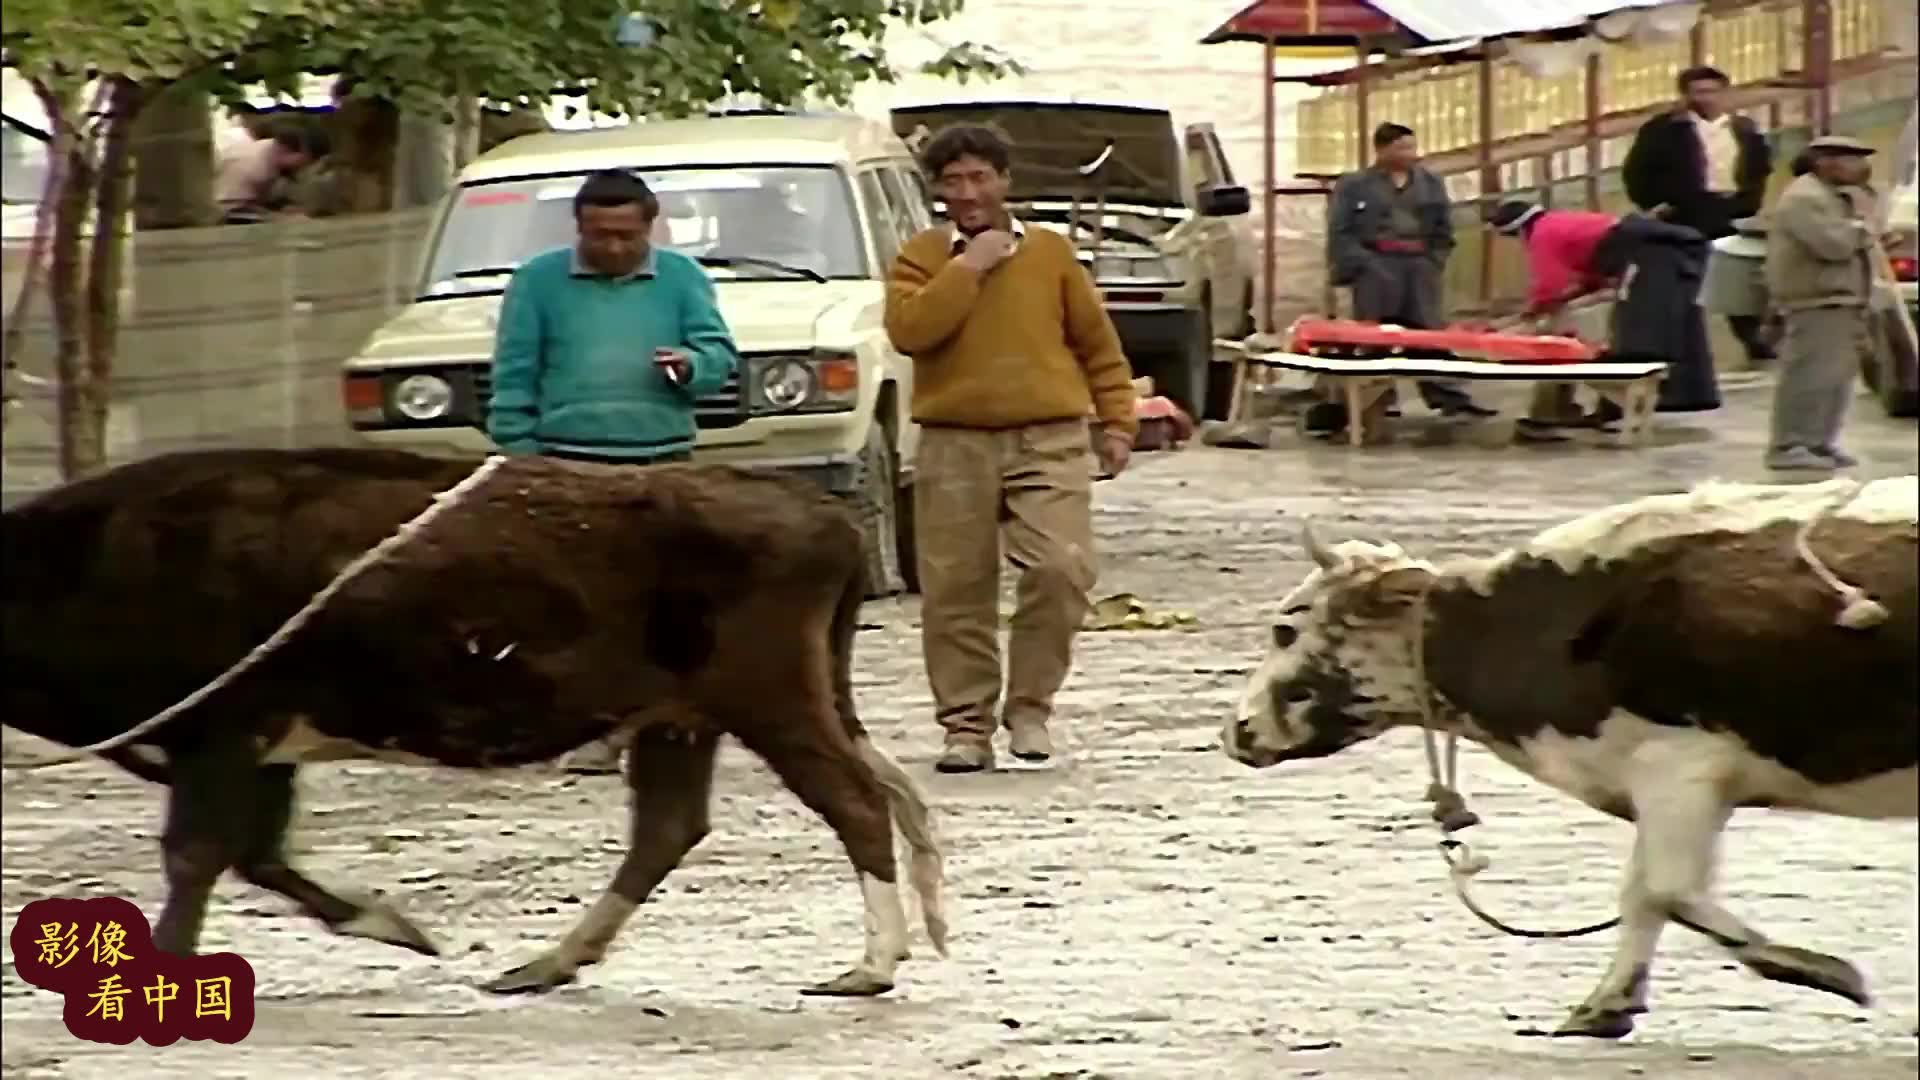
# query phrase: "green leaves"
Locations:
[[424, 53]]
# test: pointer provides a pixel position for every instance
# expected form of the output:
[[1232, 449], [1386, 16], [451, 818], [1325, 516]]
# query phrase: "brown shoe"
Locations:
[[965, 754]]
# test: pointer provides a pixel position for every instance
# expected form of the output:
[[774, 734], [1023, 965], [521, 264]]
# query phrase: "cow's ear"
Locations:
[[1386, 596]]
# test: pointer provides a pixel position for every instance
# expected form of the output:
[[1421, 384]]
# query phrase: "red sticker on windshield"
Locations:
[[493, 198]]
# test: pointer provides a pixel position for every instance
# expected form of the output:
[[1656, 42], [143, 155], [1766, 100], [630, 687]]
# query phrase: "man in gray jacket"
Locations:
[[1389, 234], [1819, 276]]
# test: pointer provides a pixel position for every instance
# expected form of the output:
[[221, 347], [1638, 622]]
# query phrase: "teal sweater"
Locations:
[[573, 362]]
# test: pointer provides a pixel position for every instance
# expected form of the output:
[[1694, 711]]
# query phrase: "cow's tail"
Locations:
[[926, 865]]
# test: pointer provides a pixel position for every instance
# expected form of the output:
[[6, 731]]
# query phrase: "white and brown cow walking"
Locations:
[[1666, 661]]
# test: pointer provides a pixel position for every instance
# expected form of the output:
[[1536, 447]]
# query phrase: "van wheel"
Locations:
[[875, 497]]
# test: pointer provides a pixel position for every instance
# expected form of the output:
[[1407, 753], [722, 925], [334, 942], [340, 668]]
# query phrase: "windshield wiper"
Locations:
[[485, 271], [769, 264]]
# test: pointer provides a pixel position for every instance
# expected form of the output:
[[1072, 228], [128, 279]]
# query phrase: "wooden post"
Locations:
[[1489, 176], [1269, 197], [1362, 112], [1592, 123], [1817, 63]]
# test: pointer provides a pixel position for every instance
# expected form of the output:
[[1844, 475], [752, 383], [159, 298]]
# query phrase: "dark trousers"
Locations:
[[1713, 217], [1405, 290]]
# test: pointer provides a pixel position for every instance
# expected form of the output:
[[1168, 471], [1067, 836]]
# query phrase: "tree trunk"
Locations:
[[38, 247], [466, 132], [82, 448], [174, 161], [365, 136], [106, 267]]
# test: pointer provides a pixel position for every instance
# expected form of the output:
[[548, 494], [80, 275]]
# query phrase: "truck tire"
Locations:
[[875, 497]]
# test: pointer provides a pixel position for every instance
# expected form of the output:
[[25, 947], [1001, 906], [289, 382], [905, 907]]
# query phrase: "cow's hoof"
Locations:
[[1803, 967], [1597, 1023], [379, 922], [535, 977], [855, 983]]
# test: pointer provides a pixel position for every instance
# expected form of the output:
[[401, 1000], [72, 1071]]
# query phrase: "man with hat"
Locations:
[[1820, 277]]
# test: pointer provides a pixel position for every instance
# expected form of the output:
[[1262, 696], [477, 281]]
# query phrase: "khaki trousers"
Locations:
[[1027, 492], [1818, 366]]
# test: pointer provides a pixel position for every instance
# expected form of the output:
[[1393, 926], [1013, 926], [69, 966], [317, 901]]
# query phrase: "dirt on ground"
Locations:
[[1143, 908]]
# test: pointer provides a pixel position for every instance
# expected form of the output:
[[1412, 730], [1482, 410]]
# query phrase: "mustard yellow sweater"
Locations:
[[1025, 343]]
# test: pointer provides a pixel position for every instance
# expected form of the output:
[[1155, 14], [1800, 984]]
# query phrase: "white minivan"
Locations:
[[797, 217]]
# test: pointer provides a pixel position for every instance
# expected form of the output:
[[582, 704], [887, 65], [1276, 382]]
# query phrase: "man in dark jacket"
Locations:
[[1705, 168], [1389, 233]]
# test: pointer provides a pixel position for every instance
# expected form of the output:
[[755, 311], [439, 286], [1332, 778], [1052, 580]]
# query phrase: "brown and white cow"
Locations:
[[552, 604], [1665, 661]]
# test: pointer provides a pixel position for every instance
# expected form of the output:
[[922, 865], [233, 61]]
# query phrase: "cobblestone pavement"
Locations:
[[1145, 908]]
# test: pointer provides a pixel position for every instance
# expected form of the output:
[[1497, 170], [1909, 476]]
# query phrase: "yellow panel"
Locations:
[[1313, 52]]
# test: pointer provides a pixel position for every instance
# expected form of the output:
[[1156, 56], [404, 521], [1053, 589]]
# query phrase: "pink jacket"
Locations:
[[1559, 247]]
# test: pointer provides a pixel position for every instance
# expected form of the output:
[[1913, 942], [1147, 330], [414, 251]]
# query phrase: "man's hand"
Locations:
[[676, 365], [1115, 449], [986, 250]]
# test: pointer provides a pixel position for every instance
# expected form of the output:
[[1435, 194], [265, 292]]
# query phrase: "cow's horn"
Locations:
[[1322, 554]]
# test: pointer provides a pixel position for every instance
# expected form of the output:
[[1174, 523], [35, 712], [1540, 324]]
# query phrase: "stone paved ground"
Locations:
[[1146, 909]]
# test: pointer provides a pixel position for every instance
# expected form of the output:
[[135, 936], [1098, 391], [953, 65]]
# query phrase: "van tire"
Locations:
[[876, 499]]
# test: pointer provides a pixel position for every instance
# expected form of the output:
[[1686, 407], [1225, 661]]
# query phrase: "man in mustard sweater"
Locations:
[[1011, 351]]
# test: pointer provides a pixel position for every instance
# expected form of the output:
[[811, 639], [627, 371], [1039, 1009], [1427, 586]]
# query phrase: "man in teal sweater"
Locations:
[[603, 347]]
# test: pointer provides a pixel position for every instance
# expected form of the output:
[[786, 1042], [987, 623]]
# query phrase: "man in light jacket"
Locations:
[[1819, 276]]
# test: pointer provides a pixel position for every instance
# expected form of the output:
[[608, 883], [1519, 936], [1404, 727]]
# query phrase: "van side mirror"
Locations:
[[1225, 201]]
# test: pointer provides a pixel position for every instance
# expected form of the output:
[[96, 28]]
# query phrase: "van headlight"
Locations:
[[816, 382], [786, 384], [423, 397]]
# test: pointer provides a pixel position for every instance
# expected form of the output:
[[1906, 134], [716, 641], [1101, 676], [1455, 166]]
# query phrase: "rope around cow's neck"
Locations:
[[1450, 811], [441, 503]]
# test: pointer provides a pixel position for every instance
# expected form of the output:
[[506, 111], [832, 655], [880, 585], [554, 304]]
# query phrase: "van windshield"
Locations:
[[742, 221]]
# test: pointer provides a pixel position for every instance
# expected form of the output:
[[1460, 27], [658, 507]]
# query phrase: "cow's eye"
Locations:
[[1297, 609], [1284, 636]]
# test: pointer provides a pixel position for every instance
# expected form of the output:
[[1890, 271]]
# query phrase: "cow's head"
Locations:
[[1341, 665]]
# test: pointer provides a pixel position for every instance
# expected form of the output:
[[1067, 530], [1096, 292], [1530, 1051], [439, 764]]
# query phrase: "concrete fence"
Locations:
[[232, 336]]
